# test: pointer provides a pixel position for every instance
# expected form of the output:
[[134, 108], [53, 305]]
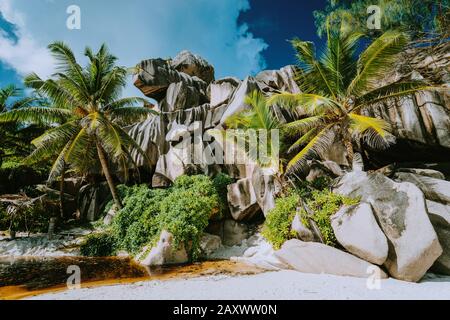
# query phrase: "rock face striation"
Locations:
[[192, 106]]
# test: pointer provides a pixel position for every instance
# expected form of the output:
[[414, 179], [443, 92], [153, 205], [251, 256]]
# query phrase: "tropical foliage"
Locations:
[[184, 210], [335, 88], [87, 115], [15, 137], [418, 17]]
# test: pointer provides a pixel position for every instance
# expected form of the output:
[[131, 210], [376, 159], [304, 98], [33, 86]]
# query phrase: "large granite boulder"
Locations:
[[282, 80], [237, 102], [433, 189], [440, 218], [357, 230], [220, 93], [423, 172], [193, 65], [421, 120], [401, 212], [154, 76], [242, 200], [266, 186], [313, 257]]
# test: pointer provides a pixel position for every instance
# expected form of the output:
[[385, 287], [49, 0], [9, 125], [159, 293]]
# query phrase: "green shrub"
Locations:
[[277, 227], [324, 204], [136, 225], [184, 210], [221, 182], [98, 245]]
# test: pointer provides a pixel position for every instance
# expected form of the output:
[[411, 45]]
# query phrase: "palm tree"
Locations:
[[87, 115], [334, 90], [15, 138]]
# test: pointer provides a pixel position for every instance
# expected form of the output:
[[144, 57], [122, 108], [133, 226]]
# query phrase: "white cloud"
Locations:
[[136, 30], [24, 55]]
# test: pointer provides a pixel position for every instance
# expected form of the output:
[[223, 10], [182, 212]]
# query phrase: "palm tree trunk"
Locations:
[[61, 191], [350, 152], [107, 173]]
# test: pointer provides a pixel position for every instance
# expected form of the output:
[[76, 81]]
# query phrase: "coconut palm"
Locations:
[[86, 112], [15, 138], [253, 129], [336, 87]]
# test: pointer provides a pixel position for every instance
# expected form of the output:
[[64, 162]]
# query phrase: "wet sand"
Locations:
[[28, 277]]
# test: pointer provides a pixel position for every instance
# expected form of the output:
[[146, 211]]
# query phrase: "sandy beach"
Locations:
[[281, 285]]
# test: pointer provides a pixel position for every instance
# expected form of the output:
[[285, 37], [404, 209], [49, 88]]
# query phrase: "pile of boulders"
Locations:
[[401, 225]]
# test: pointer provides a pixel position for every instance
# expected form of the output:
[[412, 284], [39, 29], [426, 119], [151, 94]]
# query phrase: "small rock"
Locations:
[[210, 243], [163, 253], [303, 233]]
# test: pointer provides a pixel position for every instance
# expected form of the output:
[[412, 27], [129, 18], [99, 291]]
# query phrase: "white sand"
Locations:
[[282, 285]]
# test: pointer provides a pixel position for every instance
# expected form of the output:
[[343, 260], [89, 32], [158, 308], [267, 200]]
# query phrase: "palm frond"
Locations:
[[393, 90], [376, 61], [321, 142], [375, 132], [129, 115], [303, 125], [38, 115], [313, 104]]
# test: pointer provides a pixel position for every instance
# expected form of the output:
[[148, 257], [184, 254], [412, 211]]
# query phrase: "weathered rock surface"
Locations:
[[313, 257], [423, 117], [302, 232], [164, 253], [210, 243], [325, 168], [434, 189], [91, 201], [242, 200], [440, 218], [357, 230], [193, 65], [423, 172], [401, 212], [266, 186]]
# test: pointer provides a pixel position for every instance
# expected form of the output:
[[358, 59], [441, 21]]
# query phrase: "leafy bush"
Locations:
[[184, 210], [98, 245], [221, 182], [277, 227], [324, 204], [136, 225]]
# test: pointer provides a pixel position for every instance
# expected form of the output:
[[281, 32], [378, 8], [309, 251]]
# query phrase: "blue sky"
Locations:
[[239, 37]]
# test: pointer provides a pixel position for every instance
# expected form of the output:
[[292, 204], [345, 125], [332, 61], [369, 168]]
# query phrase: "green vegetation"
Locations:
[[321, 203], [98, 245], [33, 218], [277, 227], [183, 210], [85, 103], [221, 182], [335, 89], [419, 17]]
